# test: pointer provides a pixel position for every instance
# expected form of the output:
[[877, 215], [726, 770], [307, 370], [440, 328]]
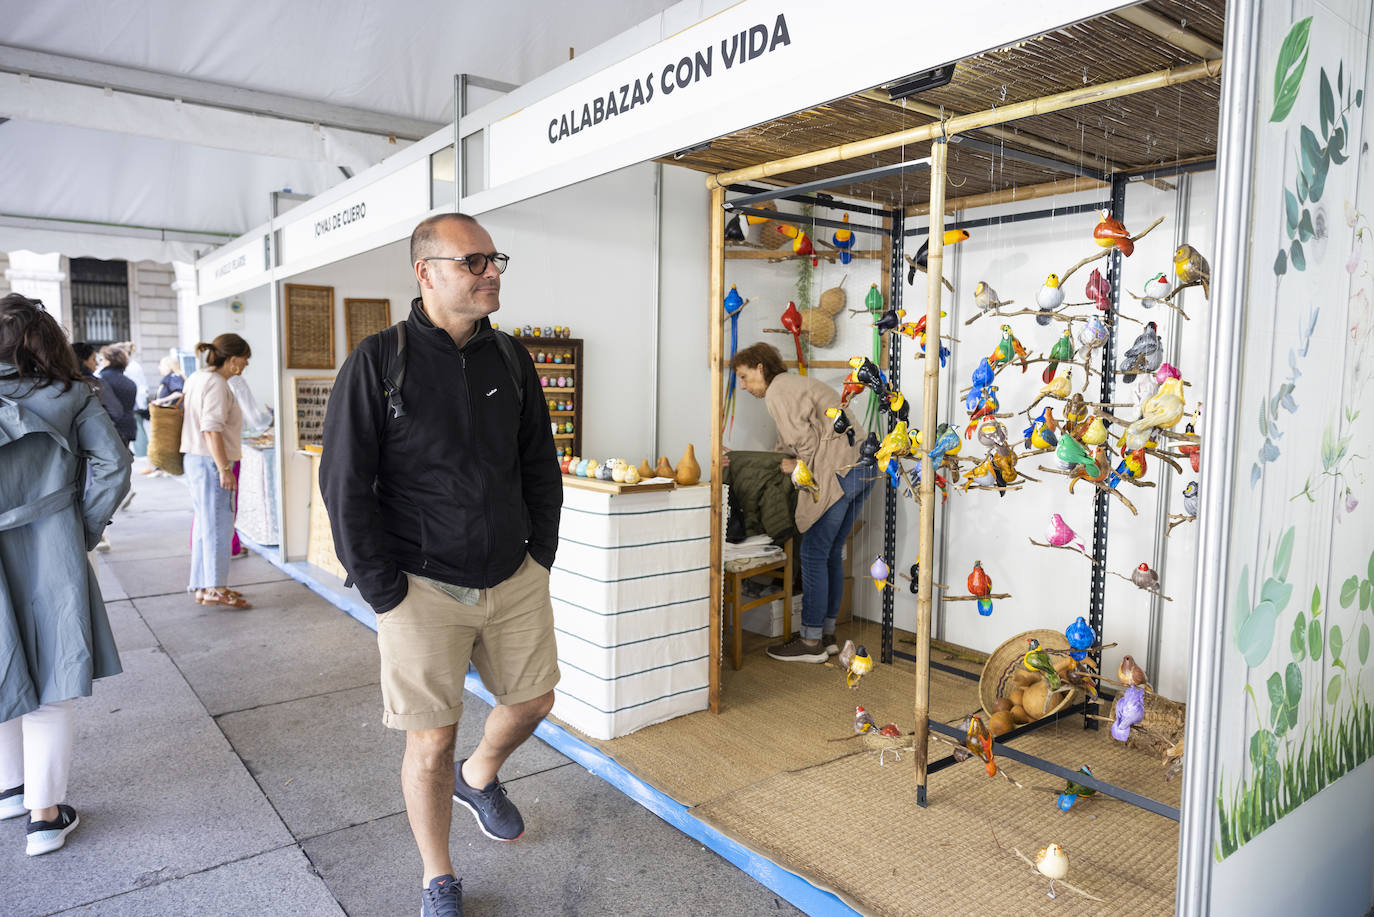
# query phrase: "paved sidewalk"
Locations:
[[239, 767]]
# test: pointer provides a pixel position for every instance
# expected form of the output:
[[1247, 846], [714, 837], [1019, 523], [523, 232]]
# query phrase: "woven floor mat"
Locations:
[[777, 716], [853, 826]]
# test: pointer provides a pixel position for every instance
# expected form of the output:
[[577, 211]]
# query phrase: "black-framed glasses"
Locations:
[[477, 262]]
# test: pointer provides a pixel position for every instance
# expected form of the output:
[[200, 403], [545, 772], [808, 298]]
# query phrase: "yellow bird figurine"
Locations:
[[1095, 434], [1192, 269], [801, 477], [1052, 863], [1060, 387], [1163, 410], [859, 666], [898, 443]]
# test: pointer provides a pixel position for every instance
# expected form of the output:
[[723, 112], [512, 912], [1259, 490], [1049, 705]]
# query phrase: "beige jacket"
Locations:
[[797, 405], [210, 407]]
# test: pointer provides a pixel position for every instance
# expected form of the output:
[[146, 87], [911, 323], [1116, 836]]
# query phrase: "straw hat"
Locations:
[[996, 680]]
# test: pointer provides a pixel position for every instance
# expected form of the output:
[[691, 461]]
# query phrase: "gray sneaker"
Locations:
[[496, 815], [795, 650], [442, 898]]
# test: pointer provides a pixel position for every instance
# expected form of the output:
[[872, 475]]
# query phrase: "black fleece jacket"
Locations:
[[456, 490]]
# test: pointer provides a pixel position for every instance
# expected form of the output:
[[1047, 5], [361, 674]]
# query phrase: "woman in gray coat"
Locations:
[[55, 637]]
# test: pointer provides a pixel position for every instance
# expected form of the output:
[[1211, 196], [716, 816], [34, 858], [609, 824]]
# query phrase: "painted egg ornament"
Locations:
[[548, 331]]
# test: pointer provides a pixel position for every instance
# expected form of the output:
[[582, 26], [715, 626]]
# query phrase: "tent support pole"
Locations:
[[930, 413], [713, 309]]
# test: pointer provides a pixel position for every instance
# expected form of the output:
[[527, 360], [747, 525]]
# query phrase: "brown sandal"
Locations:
[[227, 597]]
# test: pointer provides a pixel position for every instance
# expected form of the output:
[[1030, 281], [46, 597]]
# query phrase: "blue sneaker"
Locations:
[[12, 803], [47, 836], [443, 898], [496, 815]]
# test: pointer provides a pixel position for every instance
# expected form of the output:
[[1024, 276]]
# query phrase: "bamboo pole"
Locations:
[[1013, 195], [930, 412], [1073, 98], [717, 296]]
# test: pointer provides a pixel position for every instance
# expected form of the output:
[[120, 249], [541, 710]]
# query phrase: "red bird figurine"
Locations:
[[1099, 291], [851, 387], [1111, 232], [791, 320]]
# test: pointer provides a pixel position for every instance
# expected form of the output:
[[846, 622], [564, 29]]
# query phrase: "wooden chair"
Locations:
[[734, 598]]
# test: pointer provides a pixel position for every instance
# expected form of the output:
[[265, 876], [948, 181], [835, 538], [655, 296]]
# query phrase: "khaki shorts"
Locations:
[[427, 641]]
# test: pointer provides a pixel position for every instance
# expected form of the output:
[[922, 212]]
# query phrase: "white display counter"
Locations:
[[631, 604]]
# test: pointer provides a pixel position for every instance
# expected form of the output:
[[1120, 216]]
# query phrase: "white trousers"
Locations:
[[36, 750]]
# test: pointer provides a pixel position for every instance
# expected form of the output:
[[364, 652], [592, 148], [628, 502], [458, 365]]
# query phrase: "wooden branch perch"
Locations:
[[1142, 589], [1063, 547], [974, 598], [1165, 302], [1106, 251]]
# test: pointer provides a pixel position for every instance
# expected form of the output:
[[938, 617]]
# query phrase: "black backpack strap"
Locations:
[[394, 367], [506, 344]]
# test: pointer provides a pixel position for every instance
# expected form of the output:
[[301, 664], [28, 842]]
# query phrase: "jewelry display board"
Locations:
[[363, 317], [312, 397], [559, 364], [309, 327]]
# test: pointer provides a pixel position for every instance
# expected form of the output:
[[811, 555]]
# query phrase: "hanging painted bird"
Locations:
[[733, 304], [1144, 355], [801, 242], [734, 232], [868, 451], [1005, 465], [846, 655], [1145, 578], [1130, 673], [802, 479], [868, 373], [1132, 465], [1008, 349], [1052, 863], [1109, 231], [896, 443], [1060, 535], [1099, 291], [1094, 432], [843, 239], [851, 387], [1081, 637], [1191, 451], [791, 320], [1156, 288], [880, 572], [979, 741], [987, 406], [1038, 661], [1075, 415], [889, 320], [946, 443], [1042, 433], [1062, 351], [1192, 269], [992, 434], [1091, 336], [896, 405], [1057, 388], [919, 263], [983, 374], [1049, 298], [980, 584], [893, 470], [985, 297], [863, 722], [1071, 451], [841, 423], [1163, 410], [1190, 496], [1128, 710], [915, 577], [858, 667], [1082, 677]]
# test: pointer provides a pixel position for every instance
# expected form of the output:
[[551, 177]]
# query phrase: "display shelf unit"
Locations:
[[569, 350]]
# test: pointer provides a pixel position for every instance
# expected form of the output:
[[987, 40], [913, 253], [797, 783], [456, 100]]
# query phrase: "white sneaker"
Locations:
[[12, 803], [47, 836]]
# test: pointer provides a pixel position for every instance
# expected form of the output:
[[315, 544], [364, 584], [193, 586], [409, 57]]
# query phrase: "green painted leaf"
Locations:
[[1290, 208], [1302, 183], [1275, 688], [1340, 78], [1256, 635], [1284, 555], [1264, 751], [1314, 640], [1326, 101], [1241, 604], [1364, 595], [1281, 264], [1292, 684], [1337, 147], [1296, 256], [1289, 69], [1316, 601], [1333, 691], [1276, 593], [1297, 640], [1305, 228], [1364, 643], [1335, 641], [1317, 184], [1349, 589], [1311, 151]]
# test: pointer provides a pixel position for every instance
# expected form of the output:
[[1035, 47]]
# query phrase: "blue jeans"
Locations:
[[821, 549], [213, 530]]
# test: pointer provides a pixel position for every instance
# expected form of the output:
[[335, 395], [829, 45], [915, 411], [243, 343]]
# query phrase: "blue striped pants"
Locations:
[[213, 531]]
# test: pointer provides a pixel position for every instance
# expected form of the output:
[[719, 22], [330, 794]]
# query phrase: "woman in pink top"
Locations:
[[211, 437]]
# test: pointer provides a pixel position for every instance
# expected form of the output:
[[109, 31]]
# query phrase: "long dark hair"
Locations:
[[222, 348], [34, 343]]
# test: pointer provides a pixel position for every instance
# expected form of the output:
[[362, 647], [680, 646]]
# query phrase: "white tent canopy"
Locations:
[[159, 128]]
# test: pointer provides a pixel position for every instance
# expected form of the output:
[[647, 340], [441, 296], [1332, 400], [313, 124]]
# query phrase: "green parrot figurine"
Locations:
[[1072, 451], [1062, 350], [1038, 661], [1008, 349]]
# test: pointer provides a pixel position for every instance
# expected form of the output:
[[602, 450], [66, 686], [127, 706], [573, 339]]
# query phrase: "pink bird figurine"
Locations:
[[1060, 535]]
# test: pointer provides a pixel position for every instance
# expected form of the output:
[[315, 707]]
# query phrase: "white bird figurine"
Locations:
[[1048, 298], [1091, 336], [985, 297], [1052, 863]]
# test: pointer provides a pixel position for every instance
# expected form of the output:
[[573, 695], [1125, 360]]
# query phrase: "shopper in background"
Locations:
[[172, 380], [211, 438], [134, 371], [123, 388], [797, 405], [55, 636], [445, 514], [88, 358]]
